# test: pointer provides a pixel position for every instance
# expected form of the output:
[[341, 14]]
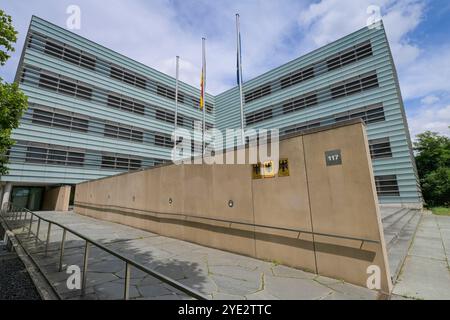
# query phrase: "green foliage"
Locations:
[[441, 211], [13, 104], [8, 36], [436, 187], [433, 165], [13, 101]]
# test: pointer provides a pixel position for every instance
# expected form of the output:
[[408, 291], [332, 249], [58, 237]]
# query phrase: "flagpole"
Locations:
[[176, 98], [239, 70], [204, 94]]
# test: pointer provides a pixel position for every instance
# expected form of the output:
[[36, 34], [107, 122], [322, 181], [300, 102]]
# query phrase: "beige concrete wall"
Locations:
[[189, 201], [57, 199]]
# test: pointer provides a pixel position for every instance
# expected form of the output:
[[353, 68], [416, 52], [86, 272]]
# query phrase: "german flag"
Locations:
[[202, 90]]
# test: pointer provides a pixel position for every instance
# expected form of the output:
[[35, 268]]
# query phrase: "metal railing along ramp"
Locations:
[[25, 218]]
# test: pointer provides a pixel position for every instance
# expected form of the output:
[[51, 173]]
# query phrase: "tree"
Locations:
[[13, 101], [433, 165]]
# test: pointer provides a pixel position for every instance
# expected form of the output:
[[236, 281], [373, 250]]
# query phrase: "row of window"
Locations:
[[370, 114], [343, 58], [54, 156], [345, 88], [70, 87], [38, 153], [69, 54], [50, 117]]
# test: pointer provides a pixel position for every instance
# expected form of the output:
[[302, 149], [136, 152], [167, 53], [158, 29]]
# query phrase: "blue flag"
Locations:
[[238, 67]]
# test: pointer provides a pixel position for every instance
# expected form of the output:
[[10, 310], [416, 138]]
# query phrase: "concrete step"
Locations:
[[394, 217], [387, 212], [400, 236], [392, 232]]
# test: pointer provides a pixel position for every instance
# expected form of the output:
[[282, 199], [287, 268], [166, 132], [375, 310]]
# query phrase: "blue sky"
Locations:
[[273, 32]]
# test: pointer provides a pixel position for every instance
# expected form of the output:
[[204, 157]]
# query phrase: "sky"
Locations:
[[273, 32]]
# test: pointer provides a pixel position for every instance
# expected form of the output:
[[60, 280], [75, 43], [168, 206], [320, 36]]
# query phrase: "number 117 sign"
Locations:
[[333, 157]]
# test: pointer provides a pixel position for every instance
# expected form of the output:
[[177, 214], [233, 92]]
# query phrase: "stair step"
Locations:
[[396, 228], [393, 219], [400, 241]]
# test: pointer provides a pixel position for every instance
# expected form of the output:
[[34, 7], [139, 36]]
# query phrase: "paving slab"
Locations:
[[426, 272], [215, 273]]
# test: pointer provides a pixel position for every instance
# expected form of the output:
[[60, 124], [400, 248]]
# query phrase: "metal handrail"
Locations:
[[17, 216], [231, 222]]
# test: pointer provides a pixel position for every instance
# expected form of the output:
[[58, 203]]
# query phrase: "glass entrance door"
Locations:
[[27, 197]]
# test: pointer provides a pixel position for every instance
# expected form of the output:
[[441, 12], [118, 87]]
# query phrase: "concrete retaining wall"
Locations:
[[57, 199], [333, 206]]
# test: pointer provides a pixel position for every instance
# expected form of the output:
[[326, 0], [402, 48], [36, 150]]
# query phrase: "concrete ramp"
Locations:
[[319, 213]]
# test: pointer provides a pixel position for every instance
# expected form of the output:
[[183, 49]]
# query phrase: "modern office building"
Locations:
[[95, 113]]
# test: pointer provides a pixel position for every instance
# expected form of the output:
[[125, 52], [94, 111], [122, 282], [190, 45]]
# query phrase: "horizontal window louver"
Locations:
[[123, 133], [54, 157], [387, 186], [126, 104], [380, 148], [58, 120]]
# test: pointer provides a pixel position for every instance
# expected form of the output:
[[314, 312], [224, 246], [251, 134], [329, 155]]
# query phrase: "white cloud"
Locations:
[[154, 32], [431, 99], [434, 118]]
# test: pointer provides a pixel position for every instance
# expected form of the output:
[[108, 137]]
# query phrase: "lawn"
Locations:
[[441, 211]]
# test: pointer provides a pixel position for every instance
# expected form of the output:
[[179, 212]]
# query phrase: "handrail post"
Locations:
[[38, 228], [85, 266], [61, 250], [25, 220], [126, 291], [48, 238], [31, 224]]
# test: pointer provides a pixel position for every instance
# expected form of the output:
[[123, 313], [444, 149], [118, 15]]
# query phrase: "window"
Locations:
[[166, 116], [36, 155], [122, 163], [300, 103], [354, 86], [70, 55], [387, 185], [125, 104], [163, 141], [128, 77], [258, 93], [169, 93], [356, 53], [123, 133], [380, 148], [51, 155], [258, 116], [54, 119], [370, 114], [299, 128], [67, 87]]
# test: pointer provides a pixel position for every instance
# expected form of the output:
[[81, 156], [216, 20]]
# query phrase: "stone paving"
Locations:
[[214, 273], [426, 271]]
